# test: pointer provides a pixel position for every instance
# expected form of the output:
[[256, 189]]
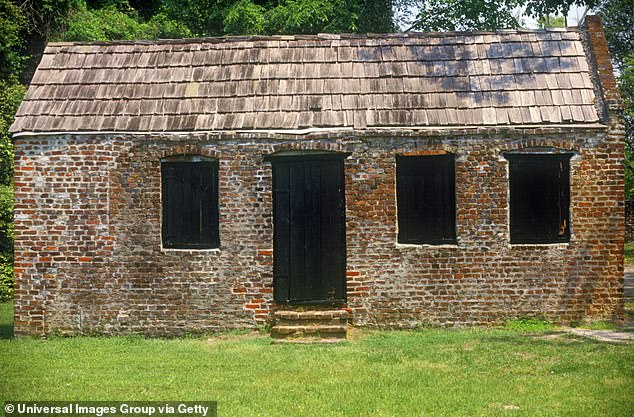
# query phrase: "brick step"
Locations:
[[323, 326], [309, 341], [314, 329], [311, 315], [307, 322], [304, 333]]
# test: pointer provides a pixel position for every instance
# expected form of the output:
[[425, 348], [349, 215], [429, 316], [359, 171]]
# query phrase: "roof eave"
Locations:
[[346, 131]]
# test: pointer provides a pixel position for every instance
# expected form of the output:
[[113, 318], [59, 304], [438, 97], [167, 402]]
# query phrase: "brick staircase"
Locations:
[[312, 326]]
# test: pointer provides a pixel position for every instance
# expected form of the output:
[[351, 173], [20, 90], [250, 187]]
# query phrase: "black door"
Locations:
[[309, 229]]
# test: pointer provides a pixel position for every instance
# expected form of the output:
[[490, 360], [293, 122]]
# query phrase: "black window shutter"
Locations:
[[426, 199], [539, 188], [190, 204], [172, 194]]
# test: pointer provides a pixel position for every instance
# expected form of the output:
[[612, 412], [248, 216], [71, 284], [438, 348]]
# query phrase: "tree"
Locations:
[[254, 17], [312, 16], [202, 17], [447, 15], [540, 8], [451, 15], [551, 21], [244, 18], [618, 22], [376, 16], [117, 22], [47, 17], [626, 85], [12, 29], [11, 94]]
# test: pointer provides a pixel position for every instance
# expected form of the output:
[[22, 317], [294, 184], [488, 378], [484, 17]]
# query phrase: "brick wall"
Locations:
[[598, 47], [89, 256]]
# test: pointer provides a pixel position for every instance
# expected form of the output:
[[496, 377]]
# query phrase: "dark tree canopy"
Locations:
[[12, 31]]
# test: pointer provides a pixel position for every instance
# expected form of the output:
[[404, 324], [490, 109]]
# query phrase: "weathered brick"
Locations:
[[100, 268]]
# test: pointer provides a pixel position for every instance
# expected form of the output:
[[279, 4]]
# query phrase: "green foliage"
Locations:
[[550, 21], [629, 166], [617, 17], [312, 16], [6, 221], [244, 18], [618, 22], [450, 15], [249, 17], [12, 26], [49, 17], [145, 8], [12, 30], [528, 324], [6, 242], [626, 84], [538, 8], [6, 279], [376, 16], [11, 95], [162, 27], [111, 23], [201, 17]]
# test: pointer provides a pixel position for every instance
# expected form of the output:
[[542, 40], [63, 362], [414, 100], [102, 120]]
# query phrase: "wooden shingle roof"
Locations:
[[323, 81]]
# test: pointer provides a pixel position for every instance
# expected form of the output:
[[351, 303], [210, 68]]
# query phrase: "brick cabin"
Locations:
[[168, 187]]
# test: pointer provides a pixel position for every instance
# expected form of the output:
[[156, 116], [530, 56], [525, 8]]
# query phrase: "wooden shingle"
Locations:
[[298, 81]]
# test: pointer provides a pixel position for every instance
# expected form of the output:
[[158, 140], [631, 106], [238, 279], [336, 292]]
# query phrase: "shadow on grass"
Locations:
[[6, 320], [6, 331]]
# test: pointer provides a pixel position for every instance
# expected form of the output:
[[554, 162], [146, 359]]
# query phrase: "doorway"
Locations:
[[309, 229]]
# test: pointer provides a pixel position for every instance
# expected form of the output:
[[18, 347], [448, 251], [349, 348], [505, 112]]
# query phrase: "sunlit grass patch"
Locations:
[[518, 370], [528, 324]]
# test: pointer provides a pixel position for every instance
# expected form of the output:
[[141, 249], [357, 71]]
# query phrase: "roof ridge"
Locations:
[[319, 36]]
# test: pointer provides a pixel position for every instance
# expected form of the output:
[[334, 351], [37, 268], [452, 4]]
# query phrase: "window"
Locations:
[[426, 198], [190, 204], [539, 186]]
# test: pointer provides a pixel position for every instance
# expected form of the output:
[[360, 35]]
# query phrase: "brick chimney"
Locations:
[[602, 65]]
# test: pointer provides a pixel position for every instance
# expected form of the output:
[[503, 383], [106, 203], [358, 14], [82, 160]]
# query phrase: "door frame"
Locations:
[[300, 156]]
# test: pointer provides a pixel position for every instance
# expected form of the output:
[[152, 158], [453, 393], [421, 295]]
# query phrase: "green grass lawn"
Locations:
[[429, 372]]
